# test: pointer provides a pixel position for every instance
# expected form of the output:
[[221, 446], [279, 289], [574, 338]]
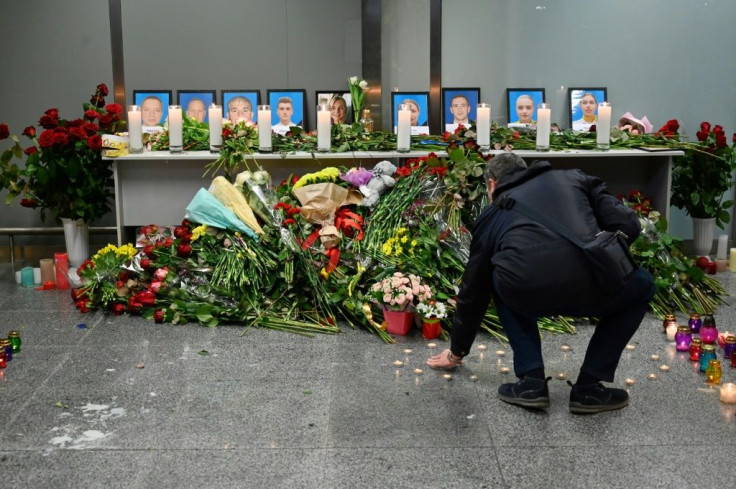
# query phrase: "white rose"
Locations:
[[363, 85], [353, 80]]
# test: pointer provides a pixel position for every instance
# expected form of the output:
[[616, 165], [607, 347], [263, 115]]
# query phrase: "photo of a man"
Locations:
[[196, 102], [459, 106], [196, 110], [287, 109], [154, 106], [240, 105], [284, 111], [152, 110]]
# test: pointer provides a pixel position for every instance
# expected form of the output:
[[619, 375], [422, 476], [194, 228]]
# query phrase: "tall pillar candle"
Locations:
[[603, 126], [483, 126], [543, 127], [323, 128], [403, 129], [47, 270], [264, 128], [732, 260], [722, 247], [135, 130], [175, 129], [214, 115]]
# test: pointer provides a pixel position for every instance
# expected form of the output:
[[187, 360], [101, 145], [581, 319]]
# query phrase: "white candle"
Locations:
[[135, 129], [722, 247], [483, 126], [732, 261], [264, 128], [603, 126], [403, 129], [175, 129], [543, 123], [728, 393], [323, 128], [214, 115], [671, 330]]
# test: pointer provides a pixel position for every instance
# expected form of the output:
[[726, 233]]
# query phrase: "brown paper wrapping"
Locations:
[[319, 203]]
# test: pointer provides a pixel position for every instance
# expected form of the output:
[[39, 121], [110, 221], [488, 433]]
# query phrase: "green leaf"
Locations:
[[203, 353]]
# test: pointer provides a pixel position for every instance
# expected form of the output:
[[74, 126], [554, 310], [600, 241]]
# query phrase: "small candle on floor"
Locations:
[[447, 376], [630, 381], [630, 347], [408, 350], [654, 357], [565, 348], [473, 378], [561, 375], [418, 371], [504, 370], [431, 345], [398, 363], [664, 368], [501, 353], [652, 376], [482, 347]]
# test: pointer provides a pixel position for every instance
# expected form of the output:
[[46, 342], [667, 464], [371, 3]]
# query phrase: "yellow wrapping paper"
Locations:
[[228, 195]]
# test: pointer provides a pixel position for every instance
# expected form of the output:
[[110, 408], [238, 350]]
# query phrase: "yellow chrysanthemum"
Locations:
[[198, 232], [404, 239]]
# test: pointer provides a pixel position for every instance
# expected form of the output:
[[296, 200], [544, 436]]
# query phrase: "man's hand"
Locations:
[[444, 360]]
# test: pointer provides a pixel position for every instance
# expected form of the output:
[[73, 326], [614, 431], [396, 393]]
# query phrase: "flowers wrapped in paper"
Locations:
[[206, 209], [234, 200], [320, 202]]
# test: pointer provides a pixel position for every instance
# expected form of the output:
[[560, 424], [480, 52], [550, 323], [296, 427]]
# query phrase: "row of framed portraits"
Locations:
[[289, 106]]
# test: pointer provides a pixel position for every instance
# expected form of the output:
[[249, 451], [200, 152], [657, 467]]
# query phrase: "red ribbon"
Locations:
[[347, 221], [334, 257], [310, 239]]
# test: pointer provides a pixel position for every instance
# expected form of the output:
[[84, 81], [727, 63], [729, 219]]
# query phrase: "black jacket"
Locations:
[[535, 269]]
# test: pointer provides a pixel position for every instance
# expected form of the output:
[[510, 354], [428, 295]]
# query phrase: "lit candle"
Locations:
[[473, 378], [398, 363], [630, 347], [431, 345], [664, 368], [482, 347], [630, 381], [403, 129], [565, 348], [652, 376], [483, 126], [407, 350], [603, 126], [504, 370], [175, 129], [561, 375], [728, 393], [214, 115], [543, 123], [722, 338], [654, 357], [135, 129], [418, 371], [501, 353], [323, 128], [722, 247], [671, 332], [447, 376], [683, 338], [732, 261], [264, 128]]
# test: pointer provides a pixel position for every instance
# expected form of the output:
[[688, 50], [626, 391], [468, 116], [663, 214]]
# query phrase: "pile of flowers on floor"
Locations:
[[307, 254]]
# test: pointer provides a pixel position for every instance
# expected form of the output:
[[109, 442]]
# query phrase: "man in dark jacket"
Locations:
[[532, 271]]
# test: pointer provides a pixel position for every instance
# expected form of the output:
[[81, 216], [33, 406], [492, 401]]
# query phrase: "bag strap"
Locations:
[[507, 202]]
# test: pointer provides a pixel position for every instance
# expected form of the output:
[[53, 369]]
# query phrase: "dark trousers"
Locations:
[[620, 317]]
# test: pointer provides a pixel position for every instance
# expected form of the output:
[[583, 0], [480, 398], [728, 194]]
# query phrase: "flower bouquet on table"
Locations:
[[431, 312], [397, 294]]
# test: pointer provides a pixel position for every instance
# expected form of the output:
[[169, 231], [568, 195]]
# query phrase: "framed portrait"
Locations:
[[459, 106], [583, 104], [522, 104], [418, 103], [288, 108], [240, 104], [341, 108], [196, 102], [154, 105]]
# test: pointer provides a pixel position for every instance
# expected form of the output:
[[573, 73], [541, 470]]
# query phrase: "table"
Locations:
[[155, 187]]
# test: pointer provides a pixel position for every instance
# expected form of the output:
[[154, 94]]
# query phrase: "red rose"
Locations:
[[117, 308], [718, 129], [48, 122], [179, 231], [83, 305], [61, 138], [705, 127], [91, 128], [184, 250], [516, 134], [168, 242], [113, 108], [734, 137], [102, 89], [186, 223], [146, 298], [148, 250], [287, 222], [403, 171], [292, 211], [30, 150], [30, 203], [95, 142], [75, 123], [159, 316], [105, 120], [721, 140], [186, 237], [146, 263], [701, 135], [52, 113], [672, 125], [4, 131], [29, 131], [97, 100], [77, 133], [134, 306], [91, 114]]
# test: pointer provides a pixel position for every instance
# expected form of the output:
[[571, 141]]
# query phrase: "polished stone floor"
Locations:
[[101, 401]]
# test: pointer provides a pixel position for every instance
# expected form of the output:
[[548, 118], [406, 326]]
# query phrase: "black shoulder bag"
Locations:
[[608, 254]]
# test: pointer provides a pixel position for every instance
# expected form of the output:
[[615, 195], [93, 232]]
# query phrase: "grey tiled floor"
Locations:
[[269, 409]]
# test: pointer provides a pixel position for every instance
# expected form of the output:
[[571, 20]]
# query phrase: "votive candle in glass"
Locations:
[[264, 129], [694, 322], [672, 331], [706, 355], [603, 126], [214, 116], [543, 127], [8, 347], [722, 338], [713, 372], [683, 338], [176, 144], [668, 319], [483, 126], [708, 330], [729, 346], [695, 348], [135, 130], [733, 359], [15, 341]]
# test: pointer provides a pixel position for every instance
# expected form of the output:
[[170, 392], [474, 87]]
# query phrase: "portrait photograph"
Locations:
[[195, 103], [341, 110], [288, 108], [522, 104], [154, 105], [459, 106], [240, 104], [583, 103], [418, 103]]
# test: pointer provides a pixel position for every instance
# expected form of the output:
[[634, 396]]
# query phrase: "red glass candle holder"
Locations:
[[695, 348]]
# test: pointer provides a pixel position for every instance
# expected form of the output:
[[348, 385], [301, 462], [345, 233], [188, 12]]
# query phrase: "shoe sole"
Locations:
[[538, 403], [577, 408]]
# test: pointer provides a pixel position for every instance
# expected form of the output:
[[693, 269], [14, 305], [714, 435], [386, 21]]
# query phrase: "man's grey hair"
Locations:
[[501, 164]]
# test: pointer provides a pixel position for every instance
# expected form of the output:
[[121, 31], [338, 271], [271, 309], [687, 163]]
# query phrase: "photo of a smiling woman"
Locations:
[[584, 107]]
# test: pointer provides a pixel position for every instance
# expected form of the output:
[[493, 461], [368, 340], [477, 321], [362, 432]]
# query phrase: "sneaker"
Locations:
[[527, 392], [595, 398]]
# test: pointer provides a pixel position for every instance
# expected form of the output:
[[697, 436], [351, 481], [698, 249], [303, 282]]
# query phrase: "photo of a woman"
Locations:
[[584, 106], [522, 103]]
